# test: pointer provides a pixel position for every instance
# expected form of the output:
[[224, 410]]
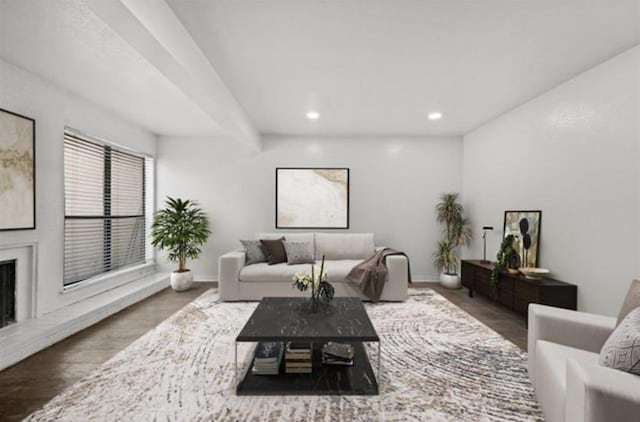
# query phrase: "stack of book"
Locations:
[[268, 358], [337, 354], [297, 358]]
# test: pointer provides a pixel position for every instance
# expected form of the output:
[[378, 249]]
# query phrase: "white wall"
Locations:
[[574, 153], [53, 109], [395, 184]]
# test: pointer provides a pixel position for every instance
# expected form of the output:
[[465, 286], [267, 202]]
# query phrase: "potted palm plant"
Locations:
[[181, 229], [456, 233]]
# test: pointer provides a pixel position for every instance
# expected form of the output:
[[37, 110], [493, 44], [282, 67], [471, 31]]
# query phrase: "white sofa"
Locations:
[[343, 251], [571, 386]]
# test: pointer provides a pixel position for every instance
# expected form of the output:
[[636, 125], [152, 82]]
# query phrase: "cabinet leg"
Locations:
[[470, 293]]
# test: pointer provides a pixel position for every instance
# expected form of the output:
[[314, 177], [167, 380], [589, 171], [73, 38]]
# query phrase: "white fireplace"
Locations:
[[25, 286]]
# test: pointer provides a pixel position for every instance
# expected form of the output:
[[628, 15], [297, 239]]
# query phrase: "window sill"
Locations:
[[137, 272]]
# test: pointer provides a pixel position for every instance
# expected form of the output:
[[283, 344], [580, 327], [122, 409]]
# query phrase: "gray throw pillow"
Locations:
[[253, 251], [622, 349], [298, 253]]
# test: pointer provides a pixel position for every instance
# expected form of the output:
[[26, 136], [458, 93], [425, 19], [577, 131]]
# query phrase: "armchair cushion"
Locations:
[[622, 349], [596, 393], [550, 375]]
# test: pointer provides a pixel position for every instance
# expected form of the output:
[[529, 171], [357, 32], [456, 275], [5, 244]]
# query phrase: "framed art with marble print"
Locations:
[[312, 198], [17, 172]]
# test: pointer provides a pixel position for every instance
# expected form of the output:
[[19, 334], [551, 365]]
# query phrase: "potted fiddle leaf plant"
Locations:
[[181, 228], [456, 233]]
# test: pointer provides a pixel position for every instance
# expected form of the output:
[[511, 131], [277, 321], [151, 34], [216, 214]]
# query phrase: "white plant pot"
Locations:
[[181, 281], [450, 281]]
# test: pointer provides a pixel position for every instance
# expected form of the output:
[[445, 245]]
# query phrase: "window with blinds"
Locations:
[[105, 199]]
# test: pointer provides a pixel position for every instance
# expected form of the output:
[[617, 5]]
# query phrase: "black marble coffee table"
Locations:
[[288, 319]]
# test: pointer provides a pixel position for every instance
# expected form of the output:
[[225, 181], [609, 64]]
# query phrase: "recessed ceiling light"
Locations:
[[313, 115], [435, 115]]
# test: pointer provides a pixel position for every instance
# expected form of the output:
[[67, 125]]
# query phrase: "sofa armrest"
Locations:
[[229, 266], [570, 328], [596, 393], [397, 277]]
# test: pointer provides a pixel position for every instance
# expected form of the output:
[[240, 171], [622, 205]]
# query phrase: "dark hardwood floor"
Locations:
[[505, 322], [31, 383]]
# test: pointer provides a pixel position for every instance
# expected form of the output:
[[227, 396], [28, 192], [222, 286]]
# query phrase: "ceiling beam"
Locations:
[[154, 31]]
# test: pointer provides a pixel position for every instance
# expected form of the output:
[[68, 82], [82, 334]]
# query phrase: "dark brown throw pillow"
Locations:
[[274, 249], [631, 302]]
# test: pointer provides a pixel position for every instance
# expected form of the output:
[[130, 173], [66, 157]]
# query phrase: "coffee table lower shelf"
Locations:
[[358, 379]]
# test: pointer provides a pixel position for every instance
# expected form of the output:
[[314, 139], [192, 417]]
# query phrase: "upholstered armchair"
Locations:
[[570, 384]]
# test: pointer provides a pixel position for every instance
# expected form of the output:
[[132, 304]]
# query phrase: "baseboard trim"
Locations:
[[21, 340]]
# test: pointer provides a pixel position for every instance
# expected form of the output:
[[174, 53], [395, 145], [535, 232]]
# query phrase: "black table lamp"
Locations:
[[484, 239]]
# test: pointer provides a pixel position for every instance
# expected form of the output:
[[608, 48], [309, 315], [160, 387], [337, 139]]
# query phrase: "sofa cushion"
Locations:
[[336, 246], [274, 250], [550, 375], [631, 301], [622, 350], [293, 237], [299, 253], [336, 271], [253, 251]]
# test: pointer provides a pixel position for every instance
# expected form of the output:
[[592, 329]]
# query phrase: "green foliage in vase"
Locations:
[[181, 229], [456, 232], [503, 257]]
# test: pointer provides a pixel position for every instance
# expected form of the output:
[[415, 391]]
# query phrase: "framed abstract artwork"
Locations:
[[17, 172], [525, 227], [312, 198]]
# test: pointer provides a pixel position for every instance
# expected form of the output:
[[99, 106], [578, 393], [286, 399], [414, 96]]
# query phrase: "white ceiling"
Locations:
[[367, 66], [64, 42], [379, 67]]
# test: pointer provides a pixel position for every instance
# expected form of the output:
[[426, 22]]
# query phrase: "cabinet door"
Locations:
[[483, 281], [524, 294], [505, 291], [468, 275]]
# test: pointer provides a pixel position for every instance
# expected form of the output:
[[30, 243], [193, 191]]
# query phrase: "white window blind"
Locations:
[[105, 200]]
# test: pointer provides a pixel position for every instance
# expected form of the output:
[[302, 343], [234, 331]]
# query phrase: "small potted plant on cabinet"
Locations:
[[456, 233], [181, 229], [507, 259]]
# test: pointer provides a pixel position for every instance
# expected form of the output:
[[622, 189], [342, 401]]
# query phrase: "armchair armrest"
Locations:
[[229, 266], [596, 393], [570, 328]]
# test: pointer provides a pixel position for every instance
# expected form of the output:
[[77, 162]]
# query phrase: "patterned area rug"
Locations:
[[439, 364]]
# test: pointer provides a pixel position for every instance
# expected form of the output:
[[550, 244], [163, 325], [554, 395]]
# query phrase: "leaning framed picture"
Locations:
[[525, 227], [312, 198], [17, 172]]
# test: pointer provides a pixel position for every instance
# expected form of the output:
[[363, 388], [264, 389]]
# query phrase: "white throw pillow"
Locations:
[[622, 350], [345, 245]]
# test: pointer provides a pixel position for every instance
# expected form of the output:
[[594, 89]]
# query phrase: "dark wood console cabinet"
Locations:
[[515, 291]]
